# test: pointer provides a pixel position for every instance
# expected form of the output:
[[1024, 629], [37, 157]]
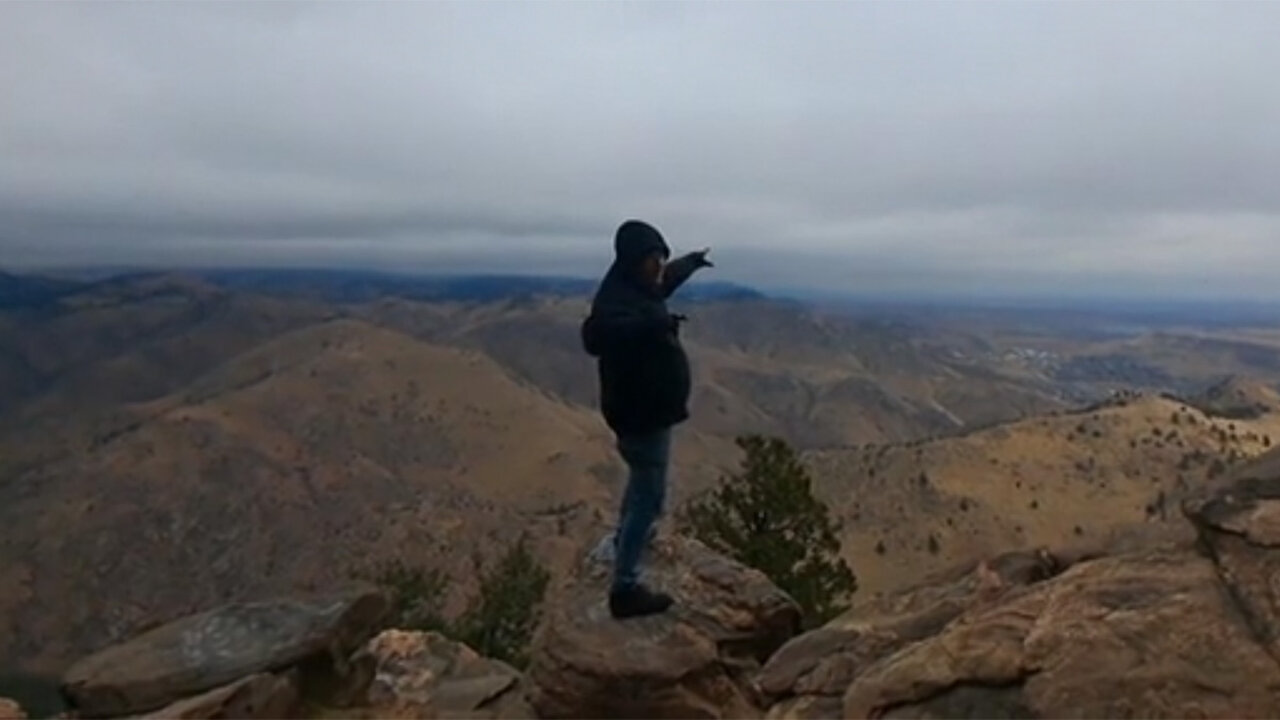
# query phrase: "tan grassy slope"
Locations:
[[764, 367], [139, 339], [910, 510], [67, 375], [309, 456], [232, 446]]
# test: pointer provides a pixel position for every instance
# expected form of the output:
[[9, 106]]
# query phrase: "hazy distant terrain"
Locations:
[[255, 431]]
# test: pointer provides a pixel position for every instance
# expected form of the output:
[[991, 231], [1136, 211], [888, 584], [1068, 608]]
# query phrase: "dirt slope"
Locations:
[[290, 466]]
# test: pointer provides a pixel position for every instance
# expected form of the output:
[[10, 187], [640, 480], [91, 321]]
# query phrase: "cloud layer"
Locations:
[[970, 147]]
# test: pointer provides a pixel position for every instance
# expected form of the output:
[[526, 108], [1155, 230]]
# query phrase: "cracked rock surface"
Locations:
[[1189, 630]]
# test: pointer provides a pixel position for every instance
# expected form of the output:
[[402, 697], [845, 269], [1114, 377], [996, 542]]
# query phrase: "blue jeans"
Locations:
[[647, 456]]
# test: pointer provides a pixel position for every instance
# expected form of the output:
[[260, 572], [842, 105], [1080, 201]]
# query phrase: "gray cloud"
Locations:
[[1065, 147]]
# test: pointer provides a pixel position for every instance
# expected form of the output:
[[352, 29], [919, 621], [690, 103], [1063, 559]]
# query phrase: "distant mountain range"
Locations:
[[355, 286], [32, 290], [362, 286]]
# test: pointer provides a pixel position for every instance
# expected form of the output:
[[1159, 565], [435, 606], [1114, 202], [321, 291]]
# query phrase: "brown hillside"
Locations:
[[761, 367], [68, 373], [1238, 397], [166, 445], [135, 340], [913, 509], [304, 459], [1210, 354]]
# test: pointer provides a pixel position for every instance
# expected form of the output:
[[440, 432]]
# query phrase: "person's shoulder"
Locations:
[[616, 290]]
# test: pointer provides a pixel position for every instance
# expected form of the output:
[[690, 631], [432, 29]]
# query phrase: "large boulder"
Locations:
[[1144, 635], [426, 675], [1240, 528], [1170, 630], [216, 648], [695, 661], [807, 678], [258, 697]]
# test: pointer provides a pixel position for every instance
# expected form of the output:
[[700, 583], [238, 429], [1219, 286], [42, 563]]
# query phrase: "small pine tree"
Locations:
[[501, 620], [767, 517]]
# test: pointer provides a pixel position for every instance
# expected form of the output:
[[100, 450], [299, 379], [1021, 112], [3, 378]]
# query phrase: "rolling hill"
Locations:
[[125, 341], [298, 462], [1080, 478], [760, 366], [250, 444], [170, 441], [1238, 397]]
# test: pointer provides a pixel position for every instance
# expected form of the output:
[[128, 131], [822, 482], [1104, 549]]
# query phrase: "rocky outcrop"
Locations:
[[293, 658], [10, 710], [807, 677], [248, 657], [1173, 630], [696, 661], [257, 696], [1164, 625], [426, 675], [1240, 529], [1135, 636]]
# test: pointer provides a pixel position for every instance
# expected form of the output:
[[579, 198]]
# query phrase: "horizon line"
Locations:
[[776, 292]]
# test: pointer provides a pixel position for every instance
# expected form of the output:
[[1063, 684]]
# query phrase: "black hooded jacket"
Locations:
[[644, 372]]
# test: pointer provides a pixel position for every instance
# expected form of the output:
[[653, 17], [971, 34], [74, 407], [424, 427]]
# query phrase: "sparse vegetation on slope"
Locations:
[[501, 620], [498, 622], [417, 594]]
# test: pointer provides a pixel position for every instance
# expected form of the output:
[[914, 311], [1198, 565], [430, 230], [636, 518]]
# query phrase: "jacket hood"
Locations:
[[636, 240]]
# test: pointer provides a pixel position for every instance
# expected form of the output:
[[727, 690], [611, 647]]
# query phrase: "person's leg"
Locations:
[[638, 453], [647, 458], [628, 500]]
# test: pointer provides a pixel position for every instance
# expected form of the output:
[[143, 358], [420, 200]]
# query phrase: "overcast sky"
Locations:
[[943, 147]]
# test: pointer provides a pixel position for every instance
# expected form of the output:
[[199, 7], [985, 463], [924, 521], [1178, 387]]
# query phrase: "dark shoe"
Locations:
[[638, 601]]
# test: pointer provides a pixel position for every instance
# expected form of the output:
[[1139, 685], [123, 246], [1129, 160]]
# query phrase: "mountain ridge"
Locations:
[[262, 452]]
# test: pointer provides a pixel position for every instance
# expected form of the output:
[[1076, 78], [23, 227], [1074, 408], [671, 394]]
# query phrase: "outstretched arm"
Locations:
[[681, 269]]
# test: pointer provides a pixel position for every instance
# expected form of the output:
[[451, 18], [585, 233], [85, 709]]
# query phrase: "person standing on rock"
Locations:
[[644, 391]]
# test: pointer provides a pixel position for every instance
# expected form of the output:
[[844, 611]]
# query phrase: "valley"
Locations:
[[170, 441]]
